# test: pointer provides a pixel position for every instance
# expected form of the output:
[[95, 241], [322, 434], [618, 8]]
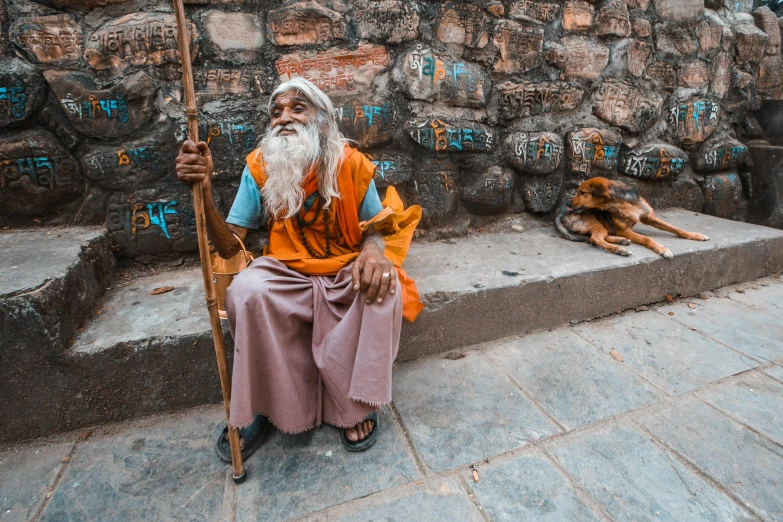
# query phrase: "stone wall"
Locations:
[[483, 111]]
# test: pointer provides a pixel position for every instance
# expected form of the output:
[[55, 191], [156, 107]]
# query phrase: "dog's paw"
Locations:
[[667, 253], [622, 252], [624, 242], [700, 237]]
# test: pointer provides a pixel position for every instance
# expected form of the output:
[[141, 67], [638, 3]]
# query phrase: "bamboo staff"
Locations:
[[238, 470]]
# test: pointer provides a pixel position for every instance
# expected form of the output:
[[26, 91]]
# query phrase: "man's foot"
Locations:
[[363, 435], [361, 431], [250, 438]]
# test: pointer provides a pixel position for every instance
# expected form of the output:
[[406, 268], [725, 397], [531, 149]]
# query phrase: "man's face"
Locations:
[[291, 107]]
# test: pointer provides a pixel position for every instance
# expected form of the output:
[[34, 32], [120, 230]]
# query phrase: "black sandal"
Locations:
[[253, 436], [365, 443]]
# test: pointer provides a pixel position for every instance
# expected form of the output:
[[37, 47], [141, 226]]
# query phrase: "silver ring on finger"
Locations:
[[386, 275]]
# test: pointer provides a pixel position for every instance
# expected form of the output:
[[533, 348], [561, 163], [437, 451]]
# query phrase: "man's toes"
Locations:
[[360, 431], [351, 435]]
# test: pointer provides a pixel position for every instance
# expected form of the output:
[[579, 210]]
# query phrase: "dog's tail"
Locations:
[[564, 231]]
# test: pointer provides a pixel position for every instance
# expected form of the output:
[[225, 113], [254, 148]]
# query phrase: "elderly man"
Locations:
[[316, 320]]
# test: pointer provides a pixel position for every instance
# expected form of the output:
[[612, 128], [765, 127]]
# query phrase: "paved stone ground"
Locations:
[[669, 413]]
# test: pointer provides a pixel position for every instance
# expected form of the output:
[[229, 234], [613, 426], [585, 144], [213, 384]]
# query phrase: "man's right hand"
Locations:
[[194, 163]]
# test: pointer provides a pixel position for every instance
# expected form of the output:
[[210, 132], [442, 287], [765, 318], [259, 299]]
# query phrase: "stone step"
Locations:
[[147, 353], [50, 278]]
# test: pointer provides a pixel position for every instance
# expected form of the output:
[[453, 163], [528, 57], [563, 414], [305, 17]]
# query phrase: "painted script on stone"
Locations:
[[528, 99], [541, 193], [751, 43], [216, 82], [51, 39], [662, 74], [638, 53], [679, 10], [462, 23], [577, 15], [433, 186], [613, 19], [100, 113], [519, 47], [391, 168], [723, 195], [229, 141], [579, 57], [131, 165], [694, 74], [369, 124], [768, 22], [392, 21], [534, 152], [137, 39], [336, 71], [304, 23], [535, 10], [231, 31], [693, 121], [429, 76], [652, 161], [592, 151], [36, 174], [22, 90], [488, 192], [626, 106], [439, 135], [722, 153]]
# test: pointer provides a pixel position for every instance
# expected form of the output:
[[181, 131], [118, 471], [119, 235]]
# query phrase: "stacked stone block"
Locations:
[[470, 109]]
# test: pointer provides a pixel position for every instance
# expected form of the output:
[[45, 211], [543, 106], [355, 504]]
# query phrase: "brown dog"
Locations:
[[603, 212]]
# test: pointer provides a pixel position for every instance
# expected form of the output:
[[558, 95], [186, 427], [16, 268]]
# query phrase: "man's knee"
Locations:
[[248, 287]]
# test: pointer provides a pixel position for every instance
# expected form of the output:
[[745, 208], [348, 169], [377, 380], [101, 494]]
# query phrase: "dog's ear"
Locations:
[[599, 191]]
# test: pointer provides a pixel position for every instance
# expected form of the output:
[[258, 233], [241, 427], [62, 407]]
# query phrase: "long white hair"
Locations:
[[289, 158]]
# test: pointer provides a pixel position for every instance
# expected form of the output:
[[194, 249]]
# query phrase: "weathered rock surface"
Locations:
[[137, 39], [767, 21], [751, 43], [337, 72], [51, 39], [433, 185], [527, 99], [536, 11], [662, 74], [541, 192], [679, 10], [230, 140], [391, 168], [769, 77], [719, 153], [370, 124], [720, 75], [304, 23], [638, 54], [22, 90], [591, 152], [578, 15], [675, 40], [613, 20], [694, 74], [652, 161], [462, 23], [723, 196], [392, 21], [579, 57], [430, 76], [215, 82], [114, 112], [620, 103], [230, 31], [534, 152], [132, 165], [710, 34], [487, 192], [520, 47], [693, 121], [37, 174], [439, 135]]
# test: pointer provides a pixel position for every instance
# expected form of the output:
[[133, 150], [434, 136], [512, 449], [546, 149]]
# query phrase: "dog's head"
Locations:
[[600, 192]]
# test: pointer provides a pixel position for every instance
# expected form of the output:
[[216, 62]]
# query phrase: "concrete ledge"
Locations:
[[147, 353]]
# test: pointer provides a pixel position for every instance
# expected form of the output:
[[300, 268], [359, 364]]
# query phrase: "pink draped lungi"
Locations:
[[307, 349]]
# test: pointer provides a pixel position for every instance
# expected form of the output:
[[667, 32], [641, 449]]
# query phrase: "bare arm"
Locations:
[[194, 163]]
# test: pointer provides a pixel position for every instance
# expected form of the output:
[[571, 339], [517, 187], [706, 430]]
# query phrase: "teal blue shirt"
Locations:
[[248, 208]]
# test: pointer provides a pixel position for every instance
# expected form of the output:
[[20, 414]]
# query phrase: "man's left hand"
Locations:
[[373, 272]]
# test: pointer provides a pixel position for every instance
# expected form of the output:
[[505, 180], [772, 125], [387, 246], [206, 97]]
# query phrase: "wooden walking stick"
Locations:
[[238, 469]]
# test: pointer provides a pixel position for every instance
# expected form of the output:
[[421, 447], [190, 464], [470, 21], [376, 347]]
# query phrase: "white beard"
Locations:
[[288, 159]]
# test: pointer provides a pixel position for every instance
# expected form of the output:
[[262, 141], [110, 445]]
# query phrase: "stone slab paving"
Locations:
[[744, 463], [528, 488], [464, 410], [763, 295], [687, 427], [26, 474], [665, 352], [294, 475], [574, 382], [634, 479]]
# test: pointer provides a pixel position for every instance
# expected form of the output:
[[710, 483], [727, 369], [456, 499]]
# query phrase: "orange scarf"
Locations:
[[345, 231]]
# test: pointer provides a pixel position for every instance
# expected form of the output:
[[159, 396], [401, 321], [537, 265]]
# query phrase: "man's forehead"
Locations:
[[290, 97]]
